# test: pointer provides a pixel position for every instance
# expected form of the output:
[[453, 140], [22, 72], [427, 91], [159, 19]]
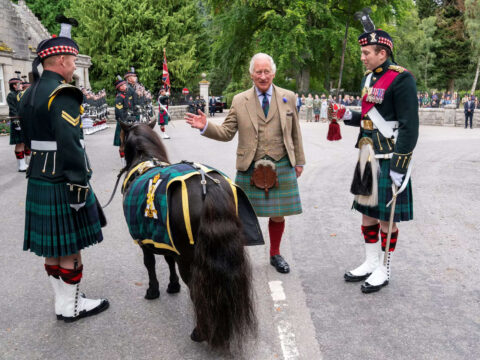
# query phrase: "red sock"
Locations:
[[53, 270], [71, 276], [28, 152], [122, 154], [393, 240], [370, 233], [19, 154], [275, 229], [162, 128]]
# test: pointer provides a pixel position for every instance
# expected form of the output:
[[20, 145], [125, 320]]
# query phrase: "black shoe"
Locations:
[[367, 288], [349, 277], [280, 264]]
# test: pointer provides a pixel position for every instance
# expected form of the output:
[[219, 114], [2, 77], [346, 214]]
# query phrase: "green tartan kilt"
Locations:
[[15, 136], [282, 200], [404, 206], [52, 227], [116, 138]]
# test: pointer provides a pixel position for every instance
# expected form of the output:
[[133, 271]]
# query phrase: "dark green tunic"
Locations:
[[121, 113], [16, 136], [399, 104], [50, 112]]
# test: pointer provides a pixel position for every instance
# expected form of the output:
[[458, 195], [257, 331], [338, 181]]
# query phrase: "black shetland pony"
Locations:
[[216, 268]]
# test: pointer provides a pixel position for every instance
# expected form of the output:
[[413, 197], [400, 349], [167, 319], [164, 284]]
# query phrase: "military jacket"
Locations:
[[52, 126], [122, 106], [12, 102], [400, 104], [163, 100], [131, 96]]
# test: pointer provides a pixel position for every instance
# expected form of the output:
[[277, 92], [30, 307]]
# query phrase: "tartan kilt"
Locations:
[[283, 200], [163, 118], [404, 206], [116, 138], [16, 136], [52, 227]]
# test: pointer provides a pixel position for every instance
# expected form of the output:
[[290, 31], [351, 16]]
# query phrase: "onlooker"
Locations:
[[469, 108], [211, 106], [317, 103], [298, 103], [309, 106], [324, 108]]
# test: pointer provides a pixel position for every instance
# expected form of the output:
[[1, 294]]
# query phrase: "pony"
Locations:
[[210, 255]]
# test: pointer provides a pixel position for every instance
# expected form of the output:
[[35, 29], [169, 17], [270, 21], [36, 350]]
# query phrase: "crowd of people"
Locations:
[[438, 99], [318, 105]]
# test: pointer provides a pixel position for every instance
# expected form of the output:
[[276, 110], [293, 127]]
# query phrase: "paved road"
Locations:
[[429, 311]]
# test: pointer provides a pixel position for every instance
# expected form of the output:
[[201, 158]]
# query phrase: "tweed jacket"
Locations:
[[243, 118]]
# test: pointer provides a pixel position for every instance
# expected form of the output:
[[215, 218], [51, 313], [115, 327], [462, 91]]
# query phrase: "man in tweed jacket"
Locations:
[[267, 123]]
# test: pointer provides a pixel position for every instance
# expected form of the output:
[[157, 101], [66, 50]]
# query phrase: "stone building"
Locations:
[[20, 33]]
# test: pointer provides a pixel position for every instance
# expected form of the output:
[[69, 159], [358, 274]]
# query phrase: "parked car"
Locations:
[[220, 104]]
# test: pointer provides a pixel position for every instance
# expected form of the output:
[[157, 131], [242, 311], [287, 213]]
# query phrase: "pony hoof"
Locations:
[[152, 294], [195, 336], [173, 288]]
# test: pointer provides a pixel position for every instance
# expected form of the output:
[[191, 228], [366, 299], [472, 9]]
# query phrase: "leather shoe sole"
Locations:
[[280, 264], [349, 277], [367, 288]]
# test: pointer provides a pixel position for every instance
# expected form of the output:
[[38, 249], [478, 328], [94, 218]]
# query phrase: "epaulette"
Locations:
[[75, 91], [367, 72], [397, 68]]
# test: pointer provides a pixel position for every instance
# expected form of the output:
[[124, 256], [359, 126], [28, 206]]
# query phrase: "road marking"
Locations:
[[285, 330]]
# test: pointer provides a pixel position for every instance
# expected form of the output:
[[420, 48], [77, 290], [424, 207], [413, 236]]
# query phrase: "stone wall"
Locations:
[[447, 116]]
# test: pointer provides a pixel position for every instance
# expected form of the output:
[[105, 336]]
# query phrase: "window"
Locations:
[[2, 87]]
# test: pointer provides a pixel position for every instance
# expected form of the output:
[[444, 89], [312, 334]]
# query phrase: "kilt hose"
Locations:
[[283, 200], [116, 138], [16, 136], [404, 206], [52, 227]]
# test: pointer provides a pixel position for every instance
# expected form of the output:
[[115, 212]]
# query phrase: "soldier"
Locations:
[[121, 114], [163, 115], [16, 137], [388, 134], [131, 79], [70, 217]]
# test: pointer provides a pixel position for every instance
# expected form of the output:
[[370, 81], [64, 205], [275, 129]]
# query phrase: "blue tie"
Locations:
[[265, 104]]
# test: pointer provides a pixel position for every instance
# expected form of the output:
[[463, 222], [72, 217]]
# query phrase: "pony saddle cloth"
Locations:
[[264, 175], [147, 211]]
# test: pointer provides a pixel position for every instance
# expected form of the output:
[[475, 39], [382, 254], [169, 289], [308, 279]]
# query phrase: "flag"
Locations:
[[165, 75]]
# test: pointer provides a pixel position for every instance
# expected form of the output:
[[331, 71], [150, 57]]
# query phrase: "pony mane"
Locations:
[[142, 143]]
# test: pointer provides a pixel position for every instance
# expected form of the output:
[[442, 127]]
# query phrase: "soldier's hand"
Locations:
[[196, 121]]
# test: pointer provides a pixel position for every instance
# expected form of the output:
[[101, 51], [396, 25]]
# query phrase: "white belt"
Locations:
[[383, 156], [386, 128], [48, 145]]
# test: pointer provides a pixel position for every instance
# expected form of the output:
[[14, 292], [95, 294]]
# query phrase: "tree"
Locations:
[[427, 8], [472, 23], [118, 34], [47, 10], [451, 60], [303, 36]]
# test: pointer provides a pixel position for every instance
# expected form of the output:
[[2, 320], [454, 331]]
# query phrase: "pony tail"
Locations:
[[220, 286]]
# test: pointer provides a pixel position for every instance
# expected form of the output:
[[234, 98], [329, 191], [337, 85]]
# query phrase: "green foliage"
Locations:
[[453, 48], [427, 8], [47, 10], [118, 34]]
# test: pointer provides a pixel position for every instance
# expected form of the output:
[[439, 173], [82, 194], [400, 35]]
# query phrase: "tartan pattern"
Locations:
[[52, 227], [135, 200], [16, 136], [163, 117], [404, 206], [116, 138], [283, 200], [57, 50]]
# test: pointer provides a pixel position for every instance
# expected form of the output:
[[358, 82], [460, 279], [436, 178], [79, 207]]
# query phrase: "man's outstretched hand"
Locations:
[[196, 121]]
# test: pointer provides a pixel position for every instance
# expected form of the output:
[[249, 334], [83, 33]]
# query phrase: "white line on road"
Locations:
[[285, 329]]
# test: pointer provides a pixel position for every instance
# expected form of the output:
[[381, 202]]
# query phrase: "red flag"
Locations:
[[165, 75]]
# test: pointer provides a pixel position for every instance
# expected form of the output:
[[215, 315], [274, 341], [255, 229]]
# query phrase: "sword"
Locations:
[[392, 203]]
